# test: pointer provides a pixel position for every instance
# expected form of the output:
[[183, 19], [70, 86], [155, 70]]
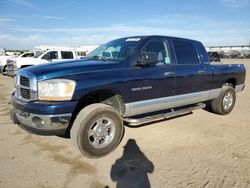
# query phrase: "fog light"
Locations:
[[38, 122]]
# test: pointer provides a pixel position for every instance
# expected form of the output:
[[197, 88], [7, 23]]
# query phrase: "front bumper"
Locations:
[[41, 124], [1, 68], [43, 118], [11, 71]]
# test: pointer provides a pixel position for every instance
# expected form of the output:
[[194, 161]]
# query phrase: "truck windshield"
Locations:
[[115, 50], [38, 54]]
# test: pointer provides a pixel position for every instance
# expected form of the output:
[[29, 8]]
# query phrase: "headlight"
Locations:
[[56, 90]]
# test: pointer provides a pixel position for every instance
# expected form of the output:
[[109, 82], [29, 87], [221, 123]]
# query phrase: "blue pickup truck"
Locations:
[[128, 81]]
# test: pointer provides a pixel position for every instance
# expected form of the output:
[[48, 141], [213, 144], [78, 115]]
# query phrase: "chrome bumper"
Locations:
[[41, 124], [1, 68]]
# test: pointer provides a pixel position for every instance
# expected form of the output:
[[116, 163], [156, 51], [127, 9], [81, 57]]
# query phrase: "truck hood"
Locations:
[[27, 60], [5, 57], [70, 68]]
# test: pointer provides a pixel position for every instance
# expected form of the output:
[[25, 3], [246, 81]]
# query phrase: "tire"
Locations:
[[224, 104], [4, 70], [97, 130]]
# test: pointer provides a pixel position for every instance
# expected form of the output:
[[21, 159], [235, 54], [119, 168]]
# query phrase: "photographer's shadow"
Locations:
[[132, 169]]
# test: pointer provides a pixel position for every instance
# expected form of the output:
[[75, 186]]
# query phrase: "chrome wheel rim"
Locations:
[[101, 132], [227, 101]]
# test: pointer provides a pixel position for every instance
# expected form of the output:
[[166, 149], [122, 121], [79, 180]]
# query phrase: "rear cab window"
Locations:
[[67, 55], [185, 52]]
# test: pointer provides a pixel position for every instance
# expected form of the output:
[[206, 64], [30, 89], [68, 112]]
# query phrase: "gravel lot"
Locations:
[[197, 150]]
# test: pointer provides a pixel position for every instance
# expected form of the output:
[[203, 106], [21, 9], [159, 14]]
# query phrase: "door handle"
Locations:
[[201, 72], [168, 74]]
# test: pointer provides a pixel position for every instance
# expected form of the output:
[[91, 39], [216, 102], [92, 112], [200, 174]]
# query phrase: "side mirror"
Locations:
[[148, 58]]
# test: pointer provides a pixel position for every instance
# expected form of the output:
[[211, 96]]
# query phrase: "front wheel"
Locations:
[[4, 70], [224, 104], [97, 130]]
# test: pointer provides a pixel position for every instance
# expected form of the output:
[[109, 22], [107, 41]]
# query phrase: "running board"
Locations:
[[148, 119]]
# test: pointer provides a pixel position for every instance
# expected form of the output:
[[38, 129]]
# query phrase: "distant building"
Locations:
[[227, 48]]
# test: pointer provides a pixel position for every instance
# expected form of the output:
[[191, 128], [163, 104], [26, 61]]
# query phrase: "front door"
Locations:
[[150, 84]]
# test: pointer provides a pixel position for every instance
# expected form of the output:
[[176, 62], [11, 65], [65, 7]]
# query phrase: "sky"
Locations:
[[25, 24]]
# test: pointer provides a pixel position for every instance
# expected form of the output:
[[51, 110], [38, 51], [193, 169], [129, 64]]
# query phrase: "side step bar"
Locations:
[[148, 119]]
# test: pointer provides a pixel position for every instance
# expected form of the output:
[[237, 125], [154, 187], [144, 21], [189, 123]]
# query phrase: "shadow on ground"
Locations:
[[131, 170]]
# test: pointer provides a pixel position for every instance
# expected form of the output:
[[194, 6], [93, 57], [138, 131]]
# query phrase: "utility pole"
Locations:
[[70, 39]]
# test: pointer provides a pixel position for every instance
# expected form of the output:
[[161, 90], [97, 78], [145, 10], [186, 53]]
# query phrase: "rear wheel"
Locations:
[[97, 130], [224, 104]]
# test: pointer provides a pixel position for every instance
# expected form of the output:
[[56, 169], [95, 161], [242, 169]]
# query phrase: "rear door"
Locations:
[[192, 76]]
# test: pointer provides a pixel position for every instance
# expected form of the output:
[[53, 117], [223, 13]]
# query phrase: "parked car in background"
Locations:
[[245, 54], [10, 63], [214, 56], [41, 58], [7, 60], [4, 58], [3, 63], [221, 54], [232, 54], [81, 51]]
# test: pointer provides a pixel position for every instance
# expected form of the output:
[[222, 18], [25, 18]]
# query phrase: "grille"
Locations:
[[25, 93], [23, 88], [24, 81]]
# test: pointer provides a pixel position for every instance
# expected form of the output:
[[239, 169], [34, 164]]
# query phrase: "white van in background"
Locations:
[[53, 55]]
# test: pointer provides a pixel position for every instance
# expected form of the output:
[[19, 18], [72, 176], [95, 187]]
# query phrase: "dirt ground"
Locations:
[[197, 150]]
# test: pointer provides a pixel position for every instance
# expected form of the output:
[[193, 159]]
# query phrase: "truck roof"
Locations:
[[163, 36]]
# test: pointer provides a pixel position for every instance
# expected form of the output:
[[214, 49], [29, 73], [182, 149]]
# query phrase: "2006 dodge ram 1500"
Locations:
[[131, 80]]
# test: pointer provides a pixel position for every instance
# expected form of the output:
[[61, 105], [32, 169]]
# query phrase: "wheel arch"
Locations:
[[231, 81], [110, 97], [24, 66]]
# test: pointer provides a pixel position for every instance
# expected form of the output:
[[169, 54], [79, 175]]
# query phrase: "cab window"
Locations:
[[50, 55], [185, 52], [160, 48]]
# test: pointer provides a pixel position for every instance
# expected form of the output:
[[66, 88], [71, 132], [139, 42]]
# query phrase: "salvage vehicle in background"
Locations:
[[9, 64], [214, 56], [4, 58], [132, 80], [232, 54], [245, 54], [49, 56], [9, 61]]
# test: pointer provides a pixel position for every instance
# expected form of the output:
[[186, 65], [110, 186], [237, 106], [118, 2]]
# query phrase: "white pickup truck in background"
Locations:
[[5, 60], [53, 55]]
